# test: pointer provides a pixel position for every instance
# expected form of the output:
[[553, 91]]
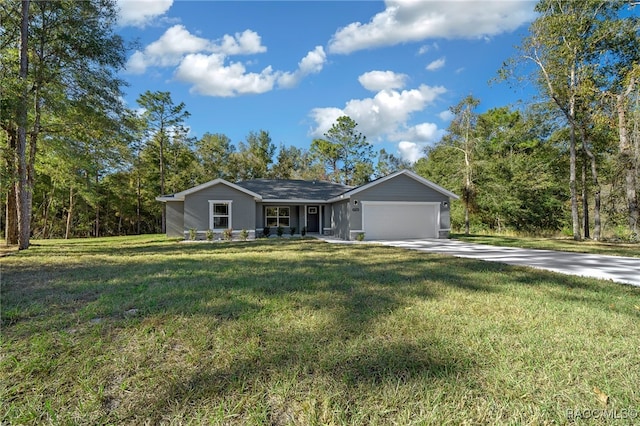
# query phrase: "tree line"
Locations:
[[570, 160], [77, 162]]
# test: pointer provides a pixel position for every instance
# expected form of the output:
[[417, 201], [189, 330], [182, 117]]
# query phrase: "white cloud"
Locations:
[[382, 115], [139, 13], [205, 63], [428, 47], [245, 43], [381, 80], [424, 132], [312, 63], [446, 115], [177, 42], [210, 76], [415, 20], [324, 119], [436, 65], [137, 63], [410, 151]]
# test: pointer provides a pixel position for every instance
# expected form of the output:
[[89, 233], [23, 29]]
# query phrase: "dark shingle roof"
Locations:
[[281, 189]]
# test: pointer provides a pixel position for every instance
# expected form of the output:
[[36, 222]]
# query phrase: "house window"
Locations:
[[219, 214], [277, 216]]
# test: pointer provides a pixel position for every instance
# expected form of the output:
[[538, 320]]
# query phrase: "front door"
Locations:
[[313, 219]]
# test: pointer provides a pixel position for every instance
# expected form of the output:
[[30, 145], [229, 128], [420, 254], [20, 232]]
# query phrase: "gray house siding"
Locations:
[[196, 208], [326, 219], [175, 219], [340, 218], [400, 188]]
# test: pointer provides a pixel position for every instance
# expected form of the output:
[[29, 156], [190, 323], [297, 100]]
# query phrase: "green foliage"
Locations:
[[280, 231], [244, 234], [389, 163], [346, 152], [266, 232], [227, 234], [292, 230], [360, 236], [213, 153], [252, 160], [517, 174], [193, 234], [210, 235]]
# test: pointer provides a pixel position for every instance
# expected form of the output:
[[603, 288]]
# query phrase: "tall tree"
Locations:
[[515, 175], [350, 148], [389, 163], [64, 70], [214, 154], [629, 157], [577, 48], [463, 139], [161, 117], [260, 151], [288, 162], [327, 153], [23, 188]]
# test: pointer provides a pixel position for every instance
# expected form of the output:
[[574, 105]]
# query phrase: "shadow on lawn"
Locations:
[[365, 279], [353, 285]]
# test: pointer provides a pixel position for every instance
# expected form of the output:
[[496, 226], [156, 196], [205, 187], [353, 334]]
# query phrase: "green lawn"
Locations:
[[147, 330], [560, 244]]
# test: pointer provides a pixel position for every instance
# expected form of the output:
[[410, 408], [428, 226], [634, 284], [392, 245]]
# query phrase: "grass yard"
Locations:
[[147, 330], [560, 244]]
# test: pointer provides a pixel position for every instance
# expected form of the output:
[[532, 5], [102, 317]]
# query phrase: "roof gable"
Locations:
[[179, 196], [408, 173]]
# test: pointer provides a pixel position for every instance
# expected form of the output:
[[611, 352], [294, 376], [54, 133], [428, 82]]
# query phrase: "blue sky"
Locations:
[[292, 67]]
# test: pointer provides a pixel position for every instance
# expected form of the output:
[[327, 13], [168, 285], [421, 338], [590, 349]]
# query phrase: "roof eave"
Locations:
[[293, 200], [166, 198]]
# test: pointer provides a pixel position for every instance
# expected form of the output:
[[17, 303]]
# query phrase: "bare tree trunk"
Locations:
[[575, 219], [11, 224], [163, 224], [467, 193], [23, 191], [572, 160], [47, 208], [138, 203], [627, 159], [585, 201], [67, 232], [596, 188], [97, 222]]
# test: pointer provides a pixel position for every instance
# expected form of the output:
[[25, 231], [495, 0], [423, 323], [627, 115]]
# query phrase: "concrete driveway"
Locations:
[[615, 268]]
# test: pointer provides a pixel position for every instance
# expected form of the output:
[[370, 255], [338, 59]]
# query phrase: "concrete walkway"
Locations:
[[616, 268]]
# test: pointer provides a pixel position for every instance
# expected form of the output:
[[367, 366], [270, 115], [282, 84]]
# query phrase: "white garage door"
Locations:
[[383, 220]]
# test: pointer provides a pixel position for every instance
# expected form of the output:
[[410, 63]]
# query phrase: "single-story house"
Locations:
[[401, 205]]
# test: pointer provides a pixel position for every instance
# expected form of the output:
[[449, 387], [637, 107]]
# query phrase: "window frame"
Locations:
[[277, 217], [212, 215]]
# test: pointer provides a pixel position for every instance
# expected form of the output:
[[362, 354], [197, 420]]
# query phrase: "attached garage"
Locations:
[[385, 220]]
